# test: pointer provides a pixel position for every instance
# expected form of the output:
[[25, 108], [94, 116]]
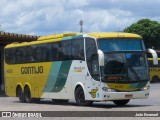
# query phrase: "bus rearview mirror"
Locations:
[[101, 58], [154, 55]]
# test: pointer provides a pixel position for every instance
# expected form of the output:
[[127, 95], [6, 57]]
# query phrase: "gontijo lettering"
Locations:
[[32, 70]]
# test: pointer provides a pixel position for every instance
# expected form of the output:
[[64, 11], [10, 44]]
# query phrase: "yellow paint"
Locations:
[[55, 36], [36, 82], [120, 87], [31, 43], [152, 59], [153, 71], [93, 93], [113, 35], [77, 70]]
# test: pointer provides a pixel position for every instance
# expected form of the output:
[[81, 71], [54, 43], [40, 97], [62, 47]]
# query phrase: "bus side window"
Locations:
[[21, 55], [61, 55], [17, 52], [66, 50], [52, 51], [28, 54], [9, 56], [41, 53], [44, 53], [33, 54], [78, 49], [55, 51], [92, 58]]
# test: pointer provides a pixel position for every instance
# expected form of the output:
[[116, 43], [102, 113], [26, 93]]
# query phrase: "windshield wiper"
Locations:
[[133, 71]]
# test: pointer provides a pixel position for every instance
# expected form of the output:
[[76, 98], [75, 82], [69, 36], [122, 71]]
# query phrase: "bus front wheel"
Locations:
[[80, 97], [120, 102]]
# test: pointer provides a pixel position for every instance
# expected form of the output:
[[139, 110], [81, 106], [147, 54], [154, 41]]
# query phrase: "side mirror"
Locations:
[[154, 55], [101, 58]]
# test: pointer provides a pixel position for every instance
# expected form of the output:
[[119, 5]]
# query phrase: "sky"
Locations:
[[44, 17]]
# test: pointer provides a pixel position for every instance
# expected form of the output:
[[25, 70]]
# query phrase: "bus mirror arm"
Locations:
[[101, 58], [154, 55]]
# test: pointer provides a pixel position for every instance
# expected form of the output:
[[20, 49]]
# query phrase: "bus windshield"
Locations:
[[125, 59], [125, 66], [120, 44]]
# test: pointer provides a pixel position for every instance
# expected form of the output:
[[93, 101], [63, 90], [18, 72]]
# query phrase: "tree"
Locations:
[[149, 30]]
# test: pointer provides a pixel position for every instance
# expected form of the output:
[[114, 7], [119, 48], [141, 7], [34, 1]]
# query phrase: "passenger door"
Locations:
[[93, 74]]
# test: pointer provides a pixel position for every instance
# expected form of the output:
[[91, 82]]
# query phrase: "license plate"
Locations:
[[128, 96]]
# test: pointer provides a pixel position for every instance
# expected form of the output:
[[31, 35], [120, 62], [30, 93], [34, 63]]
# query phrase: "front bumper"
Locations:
[[125, 95]]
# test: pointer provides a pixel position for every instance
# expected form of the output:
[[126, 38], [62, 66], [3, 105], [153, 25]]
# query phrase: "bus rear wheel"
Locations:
[[28, 98], [27, 95], [20, 95], [80, 97], [120, 102]]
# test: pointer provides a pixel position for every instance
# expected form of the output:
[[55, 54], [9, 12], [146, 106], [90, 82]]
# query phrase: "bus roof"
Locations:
[[96, 35], [56, 36], [71, 35], [113, 35]]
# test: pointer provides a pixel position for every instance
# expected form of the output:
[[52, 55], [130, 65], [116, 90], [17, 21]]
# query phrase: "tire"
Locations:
[[20, 95], [154, 79], [121, 102], [80, 97], [60, 101], [27, 95]]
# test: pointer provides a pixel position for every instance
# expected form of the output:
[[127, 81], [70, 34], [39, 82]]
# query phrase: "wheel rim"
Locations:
[[81, 97]]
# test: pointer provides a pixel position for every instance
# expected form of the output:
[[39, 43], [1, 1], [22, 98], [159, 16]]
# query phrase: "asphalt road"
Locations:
[[150, 104]]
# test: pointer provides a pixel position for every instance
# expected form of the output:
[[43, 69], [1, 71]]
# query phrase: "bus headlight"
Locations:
[[108, 89], [104, 89], [146, 88]]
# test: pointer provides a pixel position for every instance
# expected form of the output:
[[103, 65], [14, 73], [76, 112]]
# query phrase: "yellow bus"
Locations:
[[84, 67], [154, 71]]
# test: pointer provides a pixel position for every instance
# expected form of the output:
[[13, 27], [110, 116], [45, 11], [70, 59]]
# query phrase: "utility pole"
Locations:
[[81, 25]]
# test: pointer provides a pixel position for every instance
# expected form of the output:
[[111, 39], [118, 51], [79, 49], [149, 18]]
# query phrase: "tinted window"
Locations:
[[91, 49], [10, 56], [92, 58], [65, 50], [56, 51], [78, 49], [53, 51], [120, 44]]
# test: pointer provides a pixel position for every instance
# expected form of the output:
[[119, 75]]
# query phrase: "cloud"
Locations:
[[55, 16]]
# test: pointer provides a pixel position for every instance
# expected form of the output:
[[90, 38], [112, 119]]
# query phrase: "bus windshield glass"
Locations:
[[125, 66], [125, 59], [120, 44]]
